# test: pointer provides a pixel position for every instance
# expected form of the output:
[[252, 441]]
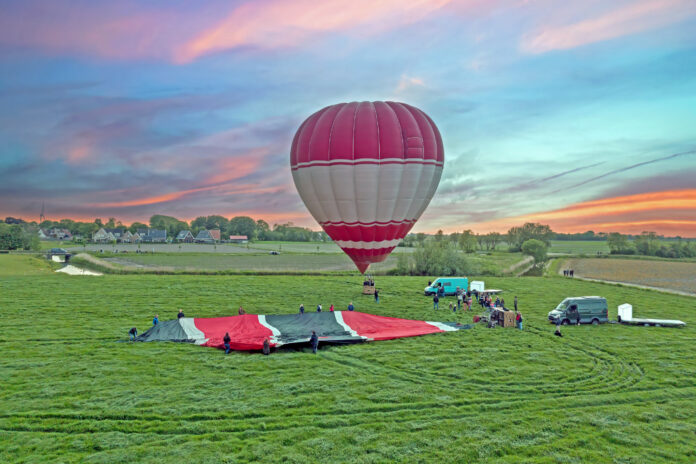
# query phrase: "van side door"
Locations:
[[573, 314]]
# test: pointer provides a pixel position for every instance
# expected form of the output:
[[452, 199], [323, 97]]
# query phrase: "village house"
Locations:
[[102, 236], [239, 239], [184, 236], [208, 236], [153, 235]]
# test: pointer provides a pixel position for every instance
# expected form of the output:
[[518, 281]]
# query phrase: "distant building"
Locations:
[[185, 236], [127, 237], [117, 234], [208, 236], [102, 236], [239, 239], [55, 234], [42, 235], [153, 235]]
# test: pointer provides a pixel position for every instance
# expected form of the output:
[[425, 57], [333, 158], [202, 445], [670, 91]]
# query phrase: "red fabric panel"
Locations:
[[391, 142], [246, 333], [426, 130], [357, 232], [305, 135], [413, 139], [438, 139], [365, 136], [319, 140], [341, 143], [386, 328]]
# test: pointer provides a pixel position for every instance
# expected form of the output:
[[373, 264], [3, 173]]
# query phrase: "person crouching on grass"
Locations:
[[132, 333]]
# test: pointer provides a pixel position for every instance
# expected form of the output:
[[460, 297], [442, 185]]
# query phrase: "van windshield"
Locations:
[[562, 304]]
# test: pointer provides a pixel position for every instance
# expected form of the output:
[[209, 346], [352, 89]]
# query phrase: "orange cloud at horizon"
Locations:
[[670, 212]]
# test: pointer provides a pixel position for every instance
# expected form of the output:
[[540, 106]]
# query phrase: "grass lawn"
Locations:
[[71, 393], [495, 263]]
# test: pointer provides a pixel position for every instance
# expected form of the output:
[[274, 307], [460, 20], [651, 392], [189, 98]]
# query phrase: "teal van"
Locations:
[[449, 284], [585, 309]]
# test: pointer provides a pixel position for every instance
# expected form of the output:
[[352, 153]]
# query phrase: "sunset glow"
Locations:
[[578, 115]]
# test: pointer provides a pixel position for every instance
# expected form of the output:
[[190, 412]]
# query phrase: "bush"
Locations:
[[434, 258]]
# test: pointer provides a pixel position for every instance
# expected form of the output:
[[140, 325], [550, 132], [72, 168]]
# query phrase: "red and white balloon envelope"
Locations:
[[366, 171]]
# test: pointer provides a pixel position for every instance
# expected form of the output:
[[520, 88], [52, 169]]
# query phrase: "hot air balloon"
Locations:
[[366, 171]]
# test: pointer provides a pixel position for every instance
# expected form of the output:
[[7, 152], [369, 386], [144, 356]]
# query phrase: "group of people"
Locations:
[[320, 308], [568, 272]]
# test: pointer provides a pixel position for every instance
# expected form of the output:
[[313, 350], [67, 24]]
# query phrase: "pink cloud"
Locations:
[[281, 23], [631, 19]]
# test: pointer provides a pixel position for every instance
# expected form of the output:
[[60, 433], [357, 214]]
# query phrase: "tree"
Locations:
[[137, 226], [493, 239], [647, 243], [111, 223], [467, 241], [243, 225], [171, 224], [536, 249], [518, 235], [619, 244], [434, 257], [262, 229]]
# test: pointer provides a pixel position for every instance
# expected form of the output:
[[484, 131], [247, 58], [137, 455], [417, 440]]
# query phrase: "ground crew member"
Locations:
[[314, 341], [226, 342], [132, 333]]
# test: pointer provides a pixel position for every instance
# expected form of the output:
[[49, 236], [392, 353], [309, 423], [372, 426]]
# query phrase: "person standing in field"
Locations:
[[266, 346], [460, 298], [558, 331], [241, 311], [226, 342], [132, 334], [181, 314], [376, 296], [331, 308], [436, 301], [155, 320], [515, 302], [319, 308], [302, 308], [518, 318], [314, 341], [502, 302], [351, 307]]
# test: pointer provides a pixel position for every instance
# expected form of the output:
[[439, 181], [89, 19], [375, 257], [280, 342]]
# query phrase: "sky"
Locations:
[[579, 114]]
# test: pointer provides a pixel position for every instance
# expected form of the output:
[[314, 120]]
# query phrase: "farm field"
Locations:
[[494, 263], [673, 275], [579, 247], [72, 393]]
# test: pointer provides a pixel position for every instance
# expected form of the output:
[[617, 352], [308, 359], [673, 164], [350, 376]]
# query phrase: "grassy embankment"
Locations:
[[70, 393]]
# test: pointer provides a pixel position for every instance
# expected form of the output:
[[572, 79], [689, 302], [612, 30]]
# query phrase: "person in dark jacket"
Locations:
[[266, 346], [302, 308], [132, 333], [314, 341], [155, 320], [436, 301], [241, 311], [181, 314], [376, 296], [515, 302], [558, 331], [351, 307], [319, 308], [226, 342]]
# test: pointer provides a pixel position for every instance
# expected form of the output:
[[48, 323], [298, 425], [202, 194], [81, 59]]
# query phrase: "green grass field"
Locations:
[[492, 264], [71, 393]]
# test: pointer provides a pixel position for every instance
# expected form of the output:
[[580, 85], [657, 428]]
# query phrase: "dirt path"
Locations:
[[526, 261]]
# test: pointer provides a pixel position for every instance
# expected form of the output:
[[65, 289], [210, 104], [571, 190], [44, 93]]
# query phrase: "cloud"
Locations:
[[631, 19], [669, 211], [627, 168], [281, 23], [406, 82]]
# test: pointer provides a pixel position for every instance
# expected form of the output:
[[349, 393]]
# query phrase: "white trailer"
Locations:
[[625, 316]]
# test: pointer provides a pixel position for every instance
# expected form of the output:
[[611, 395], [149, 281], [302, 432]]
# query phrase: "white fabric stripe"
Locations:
[[306, 164], [346, 327], [276, 332], [363, 224], [192, 332], [367, 245], [443, 327]]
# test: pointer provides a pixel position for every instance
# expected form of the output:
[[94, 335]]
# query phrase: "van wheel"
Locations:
[[565, 322], [595, 321]]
